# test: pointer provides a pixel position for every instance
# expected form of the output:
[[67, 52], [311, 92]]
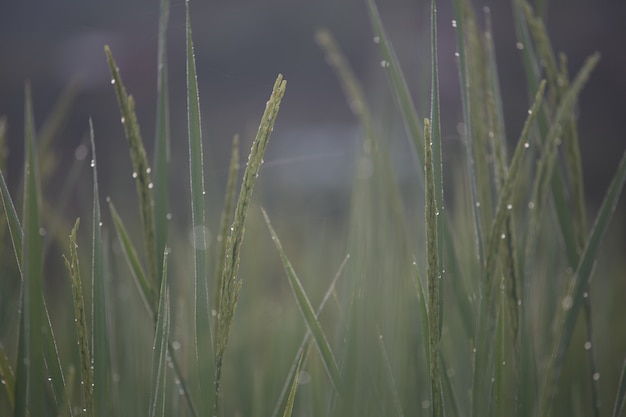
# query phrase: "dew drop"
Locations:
[[454, 23], [587, 345], [478, 204], [376, 39], [530, 111], [531, 205], [567, 303], [456, 54], [526, 145], [100, 224], [509, 206], [176, 344], [384, 63], [123, 120], [3, 382], [93, 163], [113, 81], [213, 312], [49, 378], [486, 9], [148, 170], [134, 175], [596, 376], [585, 294], [150, 186], [502, 236], [503, 363], [519, 45], [168, 216], [42, 231], [203, 192], [380, 336]]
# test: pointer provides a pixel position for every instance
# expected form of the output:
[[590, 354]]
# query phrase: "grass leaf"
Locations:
[[308, 313], [7, 376], [100, 342], [294, 387], [159, 349], [203, 333], [162, 142]]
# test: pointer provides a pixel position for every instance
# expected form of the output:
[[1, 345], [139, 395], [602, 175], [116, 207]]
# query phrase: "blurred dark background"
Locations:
[[240, 48]]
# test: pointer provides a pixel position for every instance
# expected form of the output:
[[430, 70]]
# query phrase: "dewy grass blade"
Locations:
[[308, 314], [141, 172], [281, 403], [399, 86], [574, 299], [294, 387], [162, 142], [30, 388], [100, 342], [433, 275], [80, 318], [459, 14], [226, 220], [202, 330], [8, 377], [229, 292], [620, 398], [159, 349], [390, 379]]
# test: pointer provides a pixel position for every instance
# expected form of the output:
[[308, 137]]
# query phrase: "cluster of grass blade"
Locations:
[[27, 388], [389, 350]]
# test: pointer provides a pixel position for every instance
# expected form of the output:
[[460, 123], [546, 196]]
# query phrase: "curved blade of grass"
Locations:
[[30, 387], [433, 275], [294, 387], [162, 142], [229, 292], [131, 256], [141, 173], [227, 217], [399, 86], [159, 349], [620, 398], [308, 313], [80, 318], [8, 377], [575, 295], [281, 404], [203, 333], [100, 341], [391, 382]]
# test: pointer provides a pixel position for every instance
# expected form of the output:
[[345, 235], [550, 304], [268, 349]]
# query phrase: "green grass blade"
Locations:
[[227, 217], [7, 376], [459, 14], [575, 296], [294, 387], [15, 229], [162, 142], [80, 318], [159, 349], [30, 388], [308, 313], [281, 403], [620, 398], [203, 333], [391, 383], [128, 249], [433, 275], [399, 86], [141, 172], [229, 292], [100, 341]]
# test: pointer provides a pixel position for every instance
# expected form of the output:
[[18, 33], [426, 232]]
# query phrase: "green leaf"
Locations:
[[100, 343], [162, 142], [620, 398], [7, 376], [159, 349], [203, 334], [308, 313], [294, 388]]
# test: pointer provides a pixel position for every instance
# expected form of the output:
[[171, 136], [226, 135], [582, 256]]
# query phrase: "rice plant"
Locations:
[[475, 302]]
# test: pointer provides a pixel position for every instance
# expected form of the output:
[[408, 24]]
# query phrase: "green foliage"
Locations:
[[474, 311]]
